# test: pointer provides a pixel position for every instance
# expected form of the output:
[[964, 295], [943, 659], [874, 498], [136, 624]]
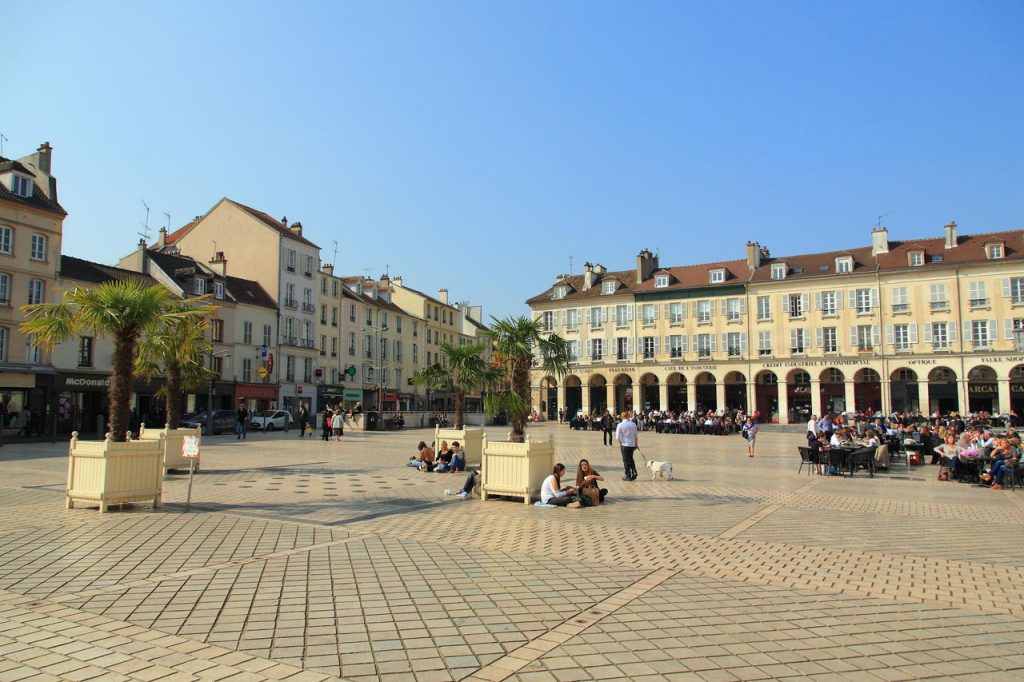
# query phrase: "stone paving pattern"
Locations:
[[306, 560]]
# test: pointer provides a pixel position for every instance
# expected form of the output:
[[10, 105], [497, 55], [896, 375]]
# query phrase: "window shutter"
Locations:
[[629, 346], [1006, 287], [805, 302], [725, 342], [714, 343], [913, 333], [579, 314], [794, 338], [657, 345], [743, 342], [1008, 329], [629, 313], [587, 349], [785, 303], [817, 300], [993, 331], [588, 315], [853, 298], [927, 332], [890, 336], [723, 307], [743, 306], [819, 334], [853, 337], [606, 313], [967, 330], [682, 307], [874, 297], [951, 332], [876, 336], [657, 312]]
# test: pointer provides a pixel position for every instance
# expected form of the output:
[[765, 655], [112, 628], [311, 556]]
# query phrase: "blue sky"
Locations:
[[478, 145]]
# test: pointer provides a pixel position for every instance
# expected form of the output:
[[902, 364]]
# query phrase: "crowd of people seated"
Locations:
[[707, 422]]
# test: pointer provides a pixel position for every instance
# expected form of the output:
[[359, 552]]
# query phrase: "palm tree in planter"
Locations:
[[176, 348], [465, 369], [121, 310], [519, 345]]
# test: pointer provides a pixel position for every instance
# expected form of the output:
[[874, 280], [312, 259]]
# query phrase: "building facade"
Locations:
[[31, 229], [931, 325]]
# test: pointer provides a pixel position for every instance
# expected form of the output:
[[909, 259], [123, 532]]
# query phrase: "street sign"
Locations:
[[263, 352], [262, 371], [351, 370], [190, 447]]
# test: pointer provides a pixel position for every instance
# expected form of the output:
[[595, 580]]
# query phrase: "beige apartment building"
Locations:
[[930, 324], [31, 228]]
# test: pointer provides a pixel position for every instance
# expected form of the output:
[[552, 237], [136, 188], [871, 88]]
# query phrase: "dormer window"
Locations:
[[994, 251], [608, 287], [717, 276], [198, 286], [218, 290], [661, 281], [779, 271], [21, 185], [560, 292], [844, 265], [916, 258]]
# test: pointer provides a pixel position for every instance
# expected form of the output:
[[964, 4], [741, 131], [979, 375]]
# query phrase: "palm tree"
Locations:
[[175, 348], [121, 310], [464, 369], [519, 346]]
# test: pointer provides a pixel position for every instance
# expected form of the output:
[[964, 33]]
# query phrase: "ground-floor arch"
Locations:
[[735, 391], [982, 389], [705, 392], [649, 392], [943, 396], [573, 395], [867, 391], [766, 396], [798, 396], [831, 391], [623, 393], [904, 393], [597, 388], [677, 393]]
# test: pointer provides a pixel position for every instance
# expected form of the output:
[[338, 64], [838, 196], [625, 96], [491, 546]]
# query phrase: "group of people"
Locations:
[[585, 493], [447, 459], [960, 455], [709, 422]]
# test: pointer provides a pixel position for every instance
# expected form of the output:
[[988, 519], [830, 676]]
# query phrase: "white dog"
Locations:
[[660, 469]]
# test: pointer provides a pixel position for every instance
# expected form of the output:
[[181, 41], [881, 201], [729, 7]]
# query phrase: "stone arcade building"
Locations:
[[927, 324]]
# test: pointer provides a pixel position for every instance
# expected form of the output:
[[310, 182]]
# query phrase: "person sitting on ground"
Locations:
[[458, 457], [552, 493], [444, 458], [472, 482], [424, 459], [587, 477]]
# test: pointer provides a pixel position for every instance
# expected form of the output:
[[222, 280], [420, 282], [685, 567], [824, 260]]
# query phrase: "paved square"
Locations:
[[307, 560]]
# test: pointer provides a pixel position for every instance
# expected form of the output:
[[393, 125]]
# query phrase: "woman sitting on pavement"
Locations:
[[444, 458], [424, 459], [458, 457], [552, 493], [587, 477]]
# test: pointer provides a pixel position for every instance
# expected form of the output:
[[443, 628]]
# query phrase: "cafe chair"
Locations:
[[808, 457], [837, 461]]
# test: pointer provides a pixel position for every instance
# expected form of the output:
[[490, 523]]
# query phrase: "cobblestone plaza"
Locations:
[[307, 560]]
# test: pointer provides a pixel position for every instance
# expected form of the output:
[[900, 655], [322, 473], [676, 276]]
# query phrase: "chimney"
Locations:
[[328, 269], [43, 155], [397, 281], [589, 277], [442, 295], [296, 228], [646, 263], [219, 264], [879, 240], [753, 255], [599, 269], [951, 235], [385, 280], [284, 221]]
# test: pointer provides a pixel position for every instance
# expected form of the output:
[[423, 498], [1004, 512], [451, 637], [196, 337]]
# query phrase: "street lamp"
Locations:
[[379, 364], [213, 379]]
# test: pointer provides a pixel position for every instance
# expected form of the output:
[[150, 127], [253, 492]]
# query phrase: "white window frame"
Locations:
[[764, 308], [977, 293], [650, 347], [716, 276], [608, 287], [733, 308], [649, 314], [6, 240], [704, 311], [980, 337], [597, 349], [677, 312], [199, 286], [597, 317], [798, 341], [572, 318], [560, 292], [901, 337], [862, 301], [900, 300], [218, 290], [844, 265], [38, 247], [937, 298], [675, 346], [764, 343], [828, 303], [34, 284], [778, 271], [21, 185], [1015, 290], [705, 345], [290, 262], [661, 281], [5, 288], [994, 251], [916, 258], [829, 340], [940, 337]]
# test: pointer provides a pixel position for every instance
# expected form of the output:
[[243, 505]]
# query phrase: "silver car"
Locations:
[[269, 420]]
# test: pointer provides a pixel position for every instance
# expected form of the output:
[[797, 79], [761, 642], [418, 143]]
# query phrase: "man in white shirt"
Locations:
[[812, 425], [626, 437]]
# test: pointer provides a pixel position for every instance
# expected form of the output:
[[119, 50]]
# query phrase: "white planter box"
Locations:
[[105, 472], [356, 422], [172, 444], [471, 440], [516, 469]]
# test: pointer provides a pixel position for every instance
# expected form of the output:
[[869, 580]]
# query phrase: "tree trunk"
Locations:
[[521, 387], [460, 408], [121, 387], [173, 395]]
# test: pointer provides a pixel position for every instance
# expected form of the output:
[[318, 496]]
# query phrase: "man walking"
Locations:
[[241, 420], [607, 427], [303, 420], [626, 436]]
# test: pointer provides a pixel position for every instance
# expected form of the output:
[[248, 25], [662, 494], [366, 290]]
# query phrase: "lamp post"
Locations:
[[213, 379]]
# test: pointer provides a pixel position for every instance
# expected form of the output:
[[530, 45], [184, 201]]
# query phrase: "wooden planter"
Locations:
[[356, 422], [471, 440], [172, 439], [105, 472], [516, 469]]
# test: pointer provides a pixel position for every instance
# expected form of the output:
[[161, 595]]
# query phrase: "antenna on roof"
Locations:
[[570, 265], [878, 223], [145, 226], [334, 258], [3, 138], [366, 271], [168, 221]]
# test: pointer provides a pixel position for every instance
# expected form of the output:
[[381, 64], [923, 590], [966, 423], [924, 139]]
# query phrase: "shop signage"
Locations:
[[1017, 388], [87, 382], [983, 389], [1013, 358], [813, 363], [352, 395]]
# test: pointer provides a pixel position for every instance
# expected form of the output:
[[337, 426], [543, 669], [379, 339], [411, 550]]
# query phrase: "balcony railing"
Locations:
[[939, 305], [291, 303], [309, 307]]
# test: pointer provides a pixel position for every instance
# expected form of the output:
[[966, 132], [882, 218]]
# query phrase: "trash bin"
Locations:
[[372, 421]]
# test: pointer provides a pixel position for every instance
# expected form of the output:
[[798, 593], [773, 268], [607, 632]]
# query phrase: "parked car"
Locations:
[[223, 421], [269, 420]]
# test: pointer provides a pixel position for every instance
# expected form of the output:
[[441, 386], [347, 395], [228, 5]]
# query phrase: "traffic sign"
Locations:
[[262, 371]]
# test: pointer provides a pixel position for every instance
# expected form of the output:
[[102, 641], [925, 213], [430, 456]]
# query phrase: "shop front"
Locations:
[[257, 397], [82, 403], [23, 395]]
